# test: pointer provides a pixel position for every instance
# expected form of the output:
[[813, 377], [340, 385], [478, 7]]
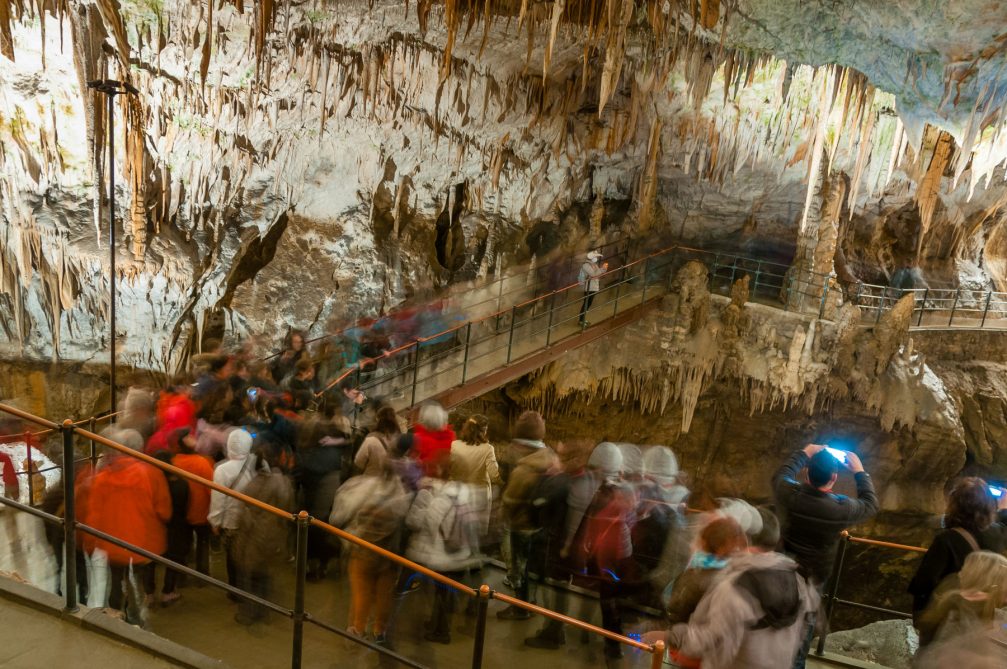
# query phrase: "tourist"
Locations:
[[813, 517], [293, 348], [236, 473], [972, 605], [138, 413], [129, 500], [302, 384], [261, 536], [179, 532], [199, 495], [373, 452], [175, 409], [473, 462], [589, 281], [432, 439], [970, 513], [720, 538], [527, 460], [323, 453], [753, 615]]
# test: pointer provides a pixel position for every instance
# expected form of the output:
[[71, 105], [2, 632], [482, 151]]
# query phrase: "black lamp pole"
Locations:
[[111, 88]]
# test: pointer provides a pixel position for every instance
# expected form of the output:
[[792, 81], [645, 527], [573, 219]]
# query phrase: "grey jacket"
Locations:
[[752, 617]]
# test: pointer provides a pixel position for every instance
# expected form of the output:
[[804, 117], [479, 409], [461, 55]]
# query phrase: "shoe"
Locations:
[[513, 613], [544, 641], [170, 598], [355, 632], [438, 637], [382, 640]]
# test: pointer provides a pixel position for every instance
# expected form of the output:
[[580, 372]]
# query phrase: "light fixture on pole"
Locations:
[[111, 88]]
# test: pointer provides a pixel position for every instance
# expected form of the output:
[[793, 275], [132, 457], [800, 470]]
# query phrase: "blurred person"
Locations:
[[813, 517], [138, 412], [661, 536], [302, 384], [589, 280], [198, 507], [473, 461], [175, 409], [970, 514], [236, 472], [128, 500], [179, 532], [444, 538], [293, 349], [529, 461], [261, 537], [972, 605], [212, 424], [372, 507], [718, 540], [432, 439], [373, 452], [323, 451], [984, 649], [217, 376], [351, 400], [753, 614]]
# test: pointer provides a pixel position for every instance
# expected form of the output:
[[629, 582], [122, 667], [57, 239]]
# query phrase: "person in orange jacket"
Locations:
[[128, 500], [199, 495]]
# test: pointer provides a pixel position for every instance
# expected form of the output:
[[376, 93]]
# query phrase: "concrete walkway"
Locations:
[[33, 639]]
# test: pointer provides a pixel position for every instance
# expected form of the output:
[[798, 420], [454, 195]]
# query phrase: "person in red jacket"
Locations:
[[129, 500], [199, 495], [175, 410], [432, 438]]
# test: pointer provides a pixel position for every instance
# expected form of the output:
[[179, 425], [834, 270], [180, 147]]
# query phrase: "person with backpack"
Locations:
[[235, 473], [589, 281], [969, 527], [754, 613], [444, 538]]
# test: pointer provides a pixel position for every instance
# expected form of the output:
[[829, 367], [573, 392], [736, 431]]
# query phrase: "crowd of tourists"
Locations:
[[738, 585]]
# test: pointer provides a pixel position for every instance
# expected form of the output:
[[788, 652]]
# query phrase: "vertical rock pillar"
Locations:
[[811, 280]]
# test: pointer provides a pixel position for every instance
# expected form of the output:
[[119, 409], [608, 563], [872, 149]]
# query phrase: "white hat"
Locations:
[[606, 457], [660, 464], [632, 458], [747, 515], [594, 255]]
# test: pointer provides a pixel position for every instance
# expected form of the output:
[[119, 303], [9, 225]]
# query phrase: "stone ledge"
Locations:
[[96, 621]]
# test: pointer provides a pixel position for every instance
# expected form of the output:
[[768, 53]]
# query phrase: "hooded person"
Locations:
[[129, 500], [753, 615], [224, 514]]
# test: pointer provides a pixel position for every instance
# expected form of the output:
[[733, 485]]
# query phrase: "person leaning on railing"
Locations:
[[969, 526], [813, 517]]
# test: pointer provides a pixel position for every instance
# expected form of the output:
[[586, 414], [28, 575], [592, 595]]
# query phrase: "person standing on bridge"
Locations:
[[813, 517], [590, 280]]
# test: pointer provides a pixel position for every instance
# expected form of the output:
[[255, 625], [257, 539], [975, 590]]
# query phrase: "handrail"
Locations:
[[46, 431], [883, 544], [68, 428]]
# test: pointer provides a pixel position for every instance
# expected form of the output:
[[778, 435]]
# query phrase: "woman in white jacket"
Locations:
[[445, 539], [225, 512]]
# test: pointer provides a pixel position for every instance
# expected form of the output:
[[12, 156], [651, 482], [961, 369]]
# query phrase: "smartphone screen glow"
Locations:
[[837, 454]]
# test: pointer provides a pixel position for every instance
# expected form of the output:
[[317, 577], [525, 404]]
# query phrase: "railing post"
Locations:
[[465, 359], [480, 642], [416, 372], [986, 309], [830, 604], [69, 519], [510, 337], [615, 309], [657, 655], [881, 305], [94, 453], [28, 461], [923, 306], [646, 278], [954, 306], [758, 271], [301, 570], [825, 295]]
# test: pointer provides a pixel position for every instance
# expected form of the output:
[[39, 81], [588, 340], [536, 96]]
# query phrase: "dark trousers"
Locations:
[[444, 604], [119, 577], [586, 304], [801, 658], [202, 548], [229, 538], [255, 581]]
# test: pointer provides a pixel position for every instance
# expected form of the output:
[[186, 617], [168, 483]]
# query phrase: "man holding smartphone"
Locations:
[[813, 517], [589, 280]]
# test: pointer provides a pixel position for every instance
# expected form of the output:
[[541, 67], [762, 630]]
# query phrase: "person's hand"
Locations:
[[853, 463], [1002, 502], [650, 638], [811, 449], [215, 530], [604, 265]]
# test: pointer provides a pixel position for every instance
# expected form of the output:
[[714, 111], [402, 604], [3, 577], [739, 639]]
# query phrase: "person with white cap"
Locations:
[[590, 280]]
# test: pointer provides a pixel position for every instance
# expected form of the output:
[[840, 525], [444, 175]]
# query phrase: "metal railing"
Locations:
[[459, 354], [302, 521], [955, 308], [832, 598], [612, 251]]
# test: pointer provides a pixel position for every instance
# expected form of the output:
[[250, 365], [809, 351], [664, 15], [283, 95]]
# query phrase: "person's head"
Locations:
[[139, 404], [660, 465], [433, 417], [606, 459], [475, 430], [529, 426], [970, 505], [722, 537], [305, 369], [823, 470], [130, 438], [269, 453], [985, 572], [222, 366], [239, 443], [767, 539], [573, 454], [632, 461], [594, 256], [386, 421], [295, 340]]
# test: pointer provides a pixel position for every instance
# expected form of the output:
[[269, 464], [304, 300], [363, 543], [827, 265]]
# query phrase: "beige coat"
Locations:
[[476, 465]]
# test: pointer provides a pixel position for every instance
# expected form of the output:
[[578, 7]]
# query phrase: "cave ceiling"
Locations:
[[329, 134]]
